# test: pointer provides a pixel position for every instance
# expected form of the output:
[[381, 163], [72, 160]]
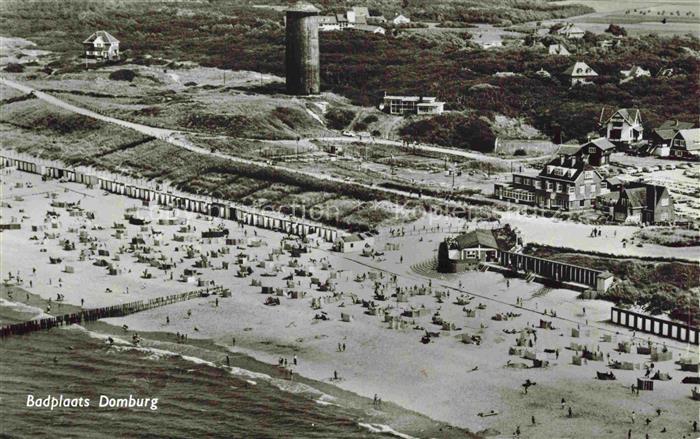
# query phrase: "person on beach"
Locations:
[[563, 403], [335, 375], [571, 413], [228, 360], [295, 360], [167, 320]]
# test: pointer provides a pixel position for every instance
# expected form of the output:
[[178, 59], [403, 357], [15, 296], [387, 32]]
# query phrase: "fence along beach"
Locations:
[[93, 314]]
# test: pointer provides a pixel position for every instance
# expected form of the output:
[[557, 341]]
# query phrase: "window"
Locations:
[[592, 188], [588, 175], [572, 189], [582, 190], [664, 202], [559, 188], [549, 185]]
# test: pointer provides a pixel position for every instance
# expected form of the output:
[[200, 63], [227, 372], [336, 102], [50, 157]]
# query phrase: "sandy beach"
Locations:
[[445, 379]]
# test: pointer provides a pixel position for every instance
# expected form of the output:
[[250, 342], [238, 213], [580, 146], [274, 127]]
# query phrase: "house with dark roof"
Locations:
[[456, 253], [596, 152], [686, 144], [661, 138], [568, 183], [644, 203], [101, 45], [580, 73], [624, 127]]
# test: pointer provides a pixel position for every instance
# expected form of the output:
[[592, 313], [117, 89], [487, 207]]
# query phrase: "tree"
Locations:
[[616, 30]]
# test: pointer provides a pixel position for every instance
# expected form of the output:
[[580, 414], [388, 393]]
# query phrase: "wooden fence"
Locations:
[[93, 314]]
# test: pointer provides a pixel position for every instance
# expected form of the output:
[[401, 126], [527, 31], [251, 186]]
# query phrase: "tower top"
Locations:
[[302, 6]]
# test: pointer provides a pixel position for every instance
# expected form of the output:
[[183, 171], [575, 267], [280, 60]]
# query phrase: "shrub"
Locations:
[[122, 75], [190, 84], [520, 152], [370, 119], [339, 118], [616, 30], [458, 130], [14, 68]]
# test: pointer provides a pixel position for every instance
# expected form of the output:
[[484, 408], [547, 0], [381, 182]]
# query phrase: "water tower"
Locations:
[[302, 52]]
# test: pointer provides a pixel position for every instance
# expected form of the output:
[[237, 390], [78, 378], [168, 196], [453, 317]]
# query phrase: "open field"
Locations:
[[451, 381], [641, 17]]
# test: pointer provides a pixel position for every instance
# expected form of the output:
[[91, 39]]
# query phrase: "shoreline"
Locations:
[[411, 424]]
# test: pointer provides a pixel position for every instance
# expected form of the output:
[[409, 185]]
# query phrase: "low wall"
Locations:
[[654, 325]]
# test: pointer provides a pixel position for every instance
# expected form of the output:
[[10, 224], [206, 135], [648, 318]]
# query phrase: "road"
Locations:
[[542, 230], [179, 139], [435, 150]]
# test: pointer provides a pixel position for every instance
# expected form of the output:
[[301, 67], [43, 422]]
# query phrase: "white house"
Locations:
[[633, 73], [624, 126], [406, 105], [353, 243], [401, 19], [558, 49], [101, 45], [580, 73], [570, 31], [370, 28], [686, 144]]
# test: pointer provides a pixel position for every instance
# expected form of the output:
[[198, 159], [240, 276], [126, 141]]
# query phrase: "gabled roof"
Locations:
[[566, 167], [637, 196], [558, 49], [580, 68], [602, 143], [664, 134], [103, 35], [691, 137], [635, 71], [569, 28], [676, 125], [478, 237], [630, 115], [370, 28], [613, 181], [643, 195]]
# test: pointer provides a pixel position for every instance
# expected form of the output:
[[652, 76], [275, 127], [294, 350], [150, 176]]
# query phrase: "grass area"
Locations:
[[658, 286], [668, 237], [34, 127]]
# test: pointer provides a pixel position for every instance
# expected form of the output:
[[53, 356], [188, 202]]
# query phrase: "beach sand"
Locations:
[[437, 379]]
